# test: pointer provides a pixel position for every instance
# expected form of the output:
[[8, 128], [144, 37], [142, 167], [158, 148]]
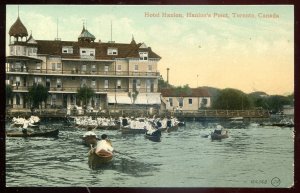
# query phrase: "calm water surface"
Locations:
[[250, 157]]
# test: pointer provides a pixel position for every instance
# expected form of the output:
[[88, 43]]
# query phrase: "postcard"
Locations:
[[143, 96]]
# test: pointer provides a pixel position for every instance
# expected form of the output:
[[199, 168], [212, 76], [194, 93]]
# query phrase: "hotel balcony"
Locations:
[[98, 90], [81, 73]]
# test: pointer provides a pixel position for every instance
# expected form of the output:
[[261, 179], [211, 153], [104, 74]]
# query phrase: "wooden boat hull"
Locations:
[[108, 127], [215, 136], [51, 133], [96, 160]]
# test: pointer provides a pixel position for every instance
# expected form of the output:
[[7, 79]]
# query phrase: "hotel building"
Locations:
[[115, 71]]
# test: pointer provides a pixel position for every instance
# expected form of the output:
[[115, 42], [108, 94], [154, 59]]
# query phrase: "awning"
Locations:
[[142, 99], [23, 58], [119, 99]]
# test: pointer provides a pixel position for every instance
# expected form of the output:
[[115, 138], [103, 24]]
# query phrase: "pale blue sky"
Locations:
[[244, 53]]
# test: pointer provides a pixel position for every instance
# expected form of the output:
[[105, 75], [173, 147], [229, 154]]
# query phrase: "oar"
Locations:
[[115, 151]]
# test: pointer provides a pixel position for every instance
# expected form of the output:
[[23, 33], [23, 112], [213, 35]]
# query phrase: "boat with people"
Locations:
[[45, 133], [32, 121], [219, 133], [101, 154], [166, 124], [134, 125]]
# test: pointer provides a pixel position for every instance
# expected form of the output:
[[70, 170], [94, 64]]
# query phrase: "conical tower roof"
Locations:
[[86, 35], [18, 29]]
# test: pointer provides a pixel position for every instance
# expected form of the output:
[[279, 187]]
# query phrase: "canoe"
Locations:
[[215, 136], [96, 160], [155, 136], [49, 133]]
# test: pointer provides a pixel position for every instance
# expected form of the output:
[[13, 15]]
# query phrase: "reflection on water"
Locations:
[[182, 159]]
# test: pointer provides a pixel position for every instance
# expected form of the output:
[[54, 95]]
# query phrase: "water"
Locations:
[[250, 157]]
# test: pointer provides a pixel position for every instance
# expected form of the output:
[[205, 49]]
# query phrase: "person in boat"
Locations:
[[25, 127], [218, 130], [158, 123], [124, 121], [169, 123], [104, 144]]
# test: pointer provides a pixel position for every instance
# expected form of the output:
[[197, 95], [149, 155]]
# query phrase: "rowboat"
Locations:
[[154, 136], [169, 129], [48, 133], [128, 130], [96, 160], [216, 136]]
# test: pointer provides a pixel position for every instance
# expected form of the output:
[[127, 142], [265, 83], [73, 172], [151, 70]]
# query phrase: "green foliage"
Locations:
[[84, 94], [37, 94], [183, 90], [276, 102], [232, 99], [163, 84]]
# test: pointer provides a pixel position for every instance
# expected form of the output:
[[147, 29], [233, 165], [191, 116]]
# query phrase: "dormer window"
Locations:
[[67, 50], [87, 53], [143, 55], [112, 51]]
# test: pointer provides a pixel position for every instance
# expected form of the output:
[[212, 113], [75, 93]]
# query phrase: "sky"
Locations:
[[223, 46]]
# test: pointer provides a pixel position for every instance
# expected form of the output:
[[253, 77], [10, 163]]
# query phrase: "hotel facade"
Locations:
[[115, 71]]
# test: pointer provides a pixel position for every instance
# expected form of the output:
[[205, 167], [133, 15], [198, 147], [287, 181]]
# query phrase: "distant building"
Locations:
[[193, 100], [115, 71]]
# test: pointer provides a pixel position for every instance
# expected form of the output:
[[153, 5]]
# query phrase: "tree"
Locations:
[[84, 94], [276, 102], [163, 84], [38, 94], [232, 99], [8, 93]]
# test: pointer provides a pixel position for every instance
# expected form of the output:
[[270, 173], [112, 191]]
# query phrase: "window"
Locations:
[[87, 53], [93, 68], [180, 101], [18, 99], [67, 50], [83, 67], [138, 83], [106, 84], [143, 55], [148, 86], [37, 80], [11, 50], [93, 83], [53, 99], [136, 67], [58, 66], [58, 83], [190, 101], [119, 67], [150, 67], [53, 66], [118, 84], [106, 68], [83, 82], [38, 66], [18, 80], [171, 102], [112, 51]]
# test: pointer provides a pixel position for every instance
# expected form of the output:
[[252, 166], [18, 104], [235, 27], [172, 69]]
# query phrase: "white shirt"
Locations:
[[103, 144]]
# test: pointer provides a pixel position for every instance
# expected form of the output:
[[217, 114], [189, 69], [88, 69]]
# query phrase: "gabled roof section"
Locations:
[[51, 47], [194, 92]]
